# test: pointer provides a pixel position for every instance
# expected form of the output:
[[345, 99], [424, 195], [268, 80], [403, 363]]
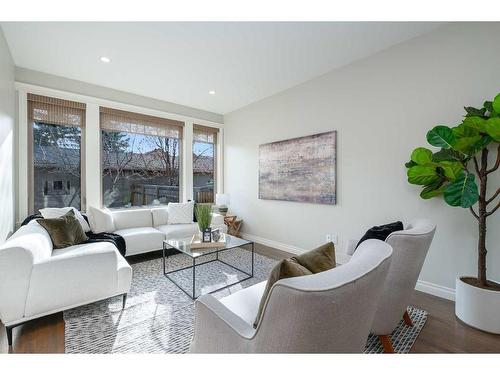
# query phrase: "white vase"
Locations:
[[477, 307]]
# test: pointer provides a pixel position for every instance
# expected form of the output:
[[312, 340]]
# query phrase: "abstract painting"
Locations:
[[299, 169]]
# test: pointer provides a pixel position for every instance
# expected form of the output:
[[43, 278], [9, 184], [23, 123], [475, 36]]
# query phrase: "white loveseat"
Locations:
[[37, 280], [144, 230]]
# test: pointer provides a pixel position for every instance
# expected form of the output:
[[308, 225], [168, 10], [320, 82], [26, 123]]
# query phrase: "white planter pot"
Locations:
[[477, 307]]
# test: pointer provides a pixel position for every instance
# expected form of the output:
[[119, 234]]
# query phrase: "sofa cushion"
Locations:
[[101, 220], [318, 260], [133, 218], [245, 303], [177, 231], [141, 239], [53, 212], [180, 213], [64, 231], [160, 216], [283, 270]]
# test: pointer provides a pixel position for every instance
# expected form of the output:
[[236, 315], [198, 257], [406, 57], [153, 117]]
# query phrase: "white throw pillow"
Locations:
[[52, 213], [160, 216], [101, 220], [180, 213]]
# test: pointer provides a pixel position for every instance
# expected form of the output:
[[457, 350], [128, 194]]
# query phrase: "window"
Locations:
[[140, 159], [204, 162], [55, 131]]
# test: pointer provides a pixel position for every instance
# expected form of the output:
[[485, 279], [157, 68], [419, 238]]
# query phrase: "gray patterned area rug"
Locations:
[[159, 317]]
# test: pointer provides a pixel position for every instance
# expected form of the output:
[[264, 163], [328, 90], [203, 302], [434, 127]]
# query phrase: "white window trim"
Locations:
[[93, 178]]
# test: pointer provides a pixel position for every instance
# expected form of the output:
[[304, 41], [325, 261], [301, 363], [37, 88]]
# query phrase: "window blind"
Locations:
[[204, 134], [130, 122], [55, 111]]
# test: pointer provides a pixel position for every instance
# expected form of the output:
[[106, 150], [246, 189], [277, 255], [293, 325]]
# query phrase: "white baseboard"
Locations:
[[422, 286], [436, 290], [275, 244]]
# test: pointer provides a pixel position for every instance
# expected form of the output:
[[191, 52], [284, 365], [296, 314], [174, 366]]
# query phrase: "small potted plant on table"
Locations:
[[203, 214], [454, 172]]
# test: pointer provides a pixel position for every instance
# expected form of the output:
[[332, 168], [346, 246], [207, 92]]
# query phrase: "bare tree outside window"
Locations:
[[203, 172], [56, 165], [139, 169]]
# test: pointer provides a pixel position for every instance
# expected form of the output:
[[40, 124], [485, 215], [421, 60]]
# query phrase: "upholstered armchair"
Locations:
[[410, 248], [329, 312]]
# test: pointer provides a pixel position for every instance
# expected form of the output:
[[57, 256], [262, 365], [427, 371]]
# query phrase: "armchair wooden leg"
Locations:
[[9, 335], [386, 343], [124, 300], [407, 319]]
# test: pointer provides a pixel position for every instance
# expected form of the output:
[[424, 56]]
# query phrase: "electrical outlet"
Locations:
[[328, 238]]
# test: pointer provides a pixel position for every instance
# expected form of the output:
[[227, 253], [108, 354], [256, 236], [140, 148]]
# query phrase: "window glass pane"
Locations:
[[56, 165], [139, 169], [203, 172]]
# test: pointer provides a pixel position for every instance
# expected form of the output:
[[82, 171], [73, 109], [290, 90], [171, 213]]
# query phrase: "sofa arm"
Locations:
[[83, 275], [351, 246], [218, 329]]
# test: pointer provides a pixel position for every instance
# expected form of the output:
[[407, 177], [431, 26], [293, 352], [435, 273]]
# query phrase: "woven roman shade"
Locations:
[[130, 122], [204, 134], [55, 111]]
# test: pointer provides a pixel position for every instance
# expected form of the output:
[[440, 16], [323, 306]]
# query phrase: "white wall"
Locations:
[[382, 107], [7, 115]]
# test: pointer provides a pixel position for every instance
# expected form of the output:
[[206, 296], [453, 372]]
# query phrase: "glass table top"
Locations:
[[184, 245]]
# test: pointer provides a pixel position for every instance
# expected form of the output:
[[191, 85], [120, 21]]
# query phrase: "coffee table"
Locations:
[[184, 246]]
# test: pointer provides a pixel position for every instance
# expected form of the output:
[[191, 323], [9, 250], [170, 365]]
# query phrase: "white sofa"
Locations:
[[328, 312], [145, 229], [37, 280]]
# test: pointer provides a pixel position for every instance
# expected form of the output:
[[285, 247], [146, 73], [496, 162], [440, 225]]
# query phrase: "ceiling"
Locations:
[[182, 62]]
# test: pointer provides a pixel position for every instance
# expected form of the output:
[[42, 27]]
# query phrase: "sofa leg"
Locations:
[[9, 335], [386, 343], [124, 300], [407, 319]]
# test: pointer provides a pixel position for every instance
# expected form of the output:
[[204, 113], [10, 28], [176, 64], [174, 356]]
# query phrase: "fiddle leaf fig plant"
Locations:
[[458, 171]]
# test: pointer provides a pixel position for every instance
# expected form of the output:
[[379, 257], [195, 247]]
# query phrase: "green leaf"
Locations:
[[466, 144], [493, 127], [410, 164], [463, 130], [421, 155], [496, 103], [441, 136], [432, 190], [488, 105], [447, 155], [422, 175], [471, 111], [462, 192], [452, 169], [475, 122]]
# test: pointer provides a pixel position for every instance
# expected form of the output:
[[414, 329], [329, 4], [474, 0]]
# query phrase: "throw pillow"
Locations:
[[283, 270], [180, 213], [314, 261], [53, 212], [318, 260], [160, 216], [381, 232], [101, 220], [64, 231]]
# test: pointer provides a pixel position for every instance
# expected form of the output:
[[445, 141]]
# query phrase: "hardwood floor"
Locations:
[[443, 333]]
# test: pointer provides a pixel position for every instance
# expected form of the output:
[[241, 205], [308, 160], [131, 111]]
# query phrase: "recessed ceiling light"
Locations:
[[105, 59], [212, 92]]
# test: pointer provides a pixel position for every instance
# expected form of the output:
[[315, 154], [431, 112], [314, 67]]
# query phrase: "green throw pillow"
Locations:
[[314, 261], [64, 231], [319, 259]]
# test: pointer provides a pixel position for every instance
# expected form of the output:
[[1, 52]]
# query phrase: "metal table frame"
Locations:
[[194, 265]]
